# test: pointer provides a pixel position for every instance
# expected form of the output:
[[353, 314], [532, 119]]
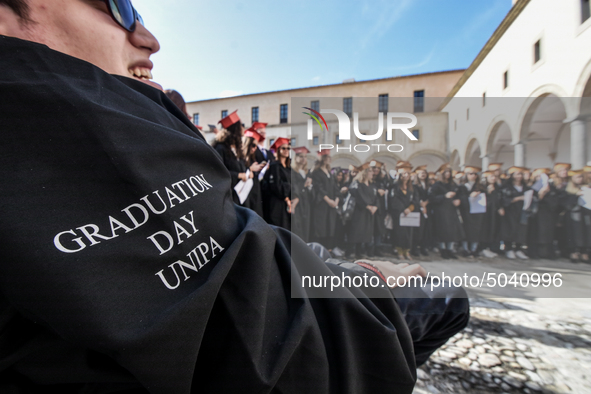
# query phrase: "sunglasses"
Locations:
[[285, 148], [124, 14]]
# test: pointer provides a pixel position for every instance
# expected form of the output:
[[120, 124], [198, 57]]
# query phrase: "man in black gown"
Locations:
[[127, 267]]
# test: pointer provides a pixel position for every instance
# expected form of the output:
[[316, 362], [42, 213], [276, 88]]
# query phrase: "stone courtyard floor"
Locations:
[[517, 343]]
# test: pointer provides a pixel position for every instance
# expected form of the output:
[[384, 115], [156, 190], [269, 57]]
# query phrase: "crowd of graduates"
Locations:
[[363, 211]]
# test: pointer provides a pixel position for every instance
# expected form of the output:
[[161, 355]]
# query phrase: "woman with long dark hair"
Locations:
[[403, 198], [250, 142], [326, 202], [514, 219], [228, 144], [302, 193], [474, 223], [577, 219], [490, 231], [278, 179], [443, 197], [361, 228]]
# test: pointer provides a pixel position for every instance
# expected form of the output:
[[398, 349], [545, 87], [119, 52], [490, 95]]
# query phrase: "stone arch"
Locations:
[[472, 152], [344, 160], [542, 130], [432, 158], [498, 143], [583, 81]]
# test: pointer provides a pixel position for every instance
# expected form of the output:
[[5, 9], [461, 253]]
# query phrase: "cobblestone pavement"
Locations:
[[516, 345]]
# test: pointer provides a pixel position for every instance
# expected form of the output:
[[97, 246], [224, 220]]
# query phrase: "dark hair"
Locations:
[[231, 136], [19, 7], [176, 98]]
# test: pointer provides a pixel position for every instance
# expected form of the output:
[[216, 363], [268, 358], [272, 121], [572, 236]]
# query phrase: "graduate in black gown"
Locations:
[[474, 223], [381, 183], [421, 236], [361, 228], [514, 217], [490, 233], [445, 202], [403, 199], [228, 144], [326, 201], [250, 141], [211, 312], [278, 179], [542, 224], [302, 193], [577, 218]]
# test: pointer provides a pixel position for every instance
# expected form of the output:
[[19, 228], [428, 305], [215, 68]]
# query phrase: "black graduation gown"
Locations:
[[422, 234], [300, 219], [492, 219], [398, 201], [541, 230], [380, 215], [577, 223], [323, 216], [95, 169], [514, 223], [278, 180], [254, 200], [447, 225], [361, 229], [261, 156], [474, 223], [233, 165]]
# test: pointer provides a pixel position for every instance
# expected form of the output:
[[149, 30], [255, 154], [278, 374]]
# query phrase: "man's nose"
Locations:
[[142, 38]]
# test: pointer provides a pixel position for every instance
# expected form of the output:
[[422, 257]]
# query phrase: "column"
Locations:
[[578, 144], [519, 155], [485, 163]]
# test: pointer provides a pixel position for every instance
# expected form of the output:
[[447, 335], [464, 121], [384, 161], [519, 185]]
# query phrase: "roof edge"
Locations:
[[490, 44], [332, 84]]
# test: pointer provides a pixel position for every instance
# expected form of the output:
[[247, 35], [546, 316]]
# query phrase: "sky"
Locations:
[[222, 48]]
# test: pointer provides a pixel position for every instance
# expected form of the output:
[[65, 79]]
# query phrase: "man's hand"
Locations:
[[450, 194], [520, 198], [456, 203], [397, 270], [308, 182], [406, 212], [502, 211], [372, 209], [381, 192], [474, 194]]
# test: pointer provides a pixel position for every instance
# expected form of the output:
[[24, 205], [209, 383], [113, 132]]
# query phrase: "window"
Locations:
[[419, 101], [271, 141], [224, 113], [315, 140], [506, 79], [315, 105], [483, 99], [585, 10], [537, 52], [337, 139], [196, 119], [467, 113], [383, 103], [417, 134], [283, 113], [293, 141], [348, 105], [255, 114]]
